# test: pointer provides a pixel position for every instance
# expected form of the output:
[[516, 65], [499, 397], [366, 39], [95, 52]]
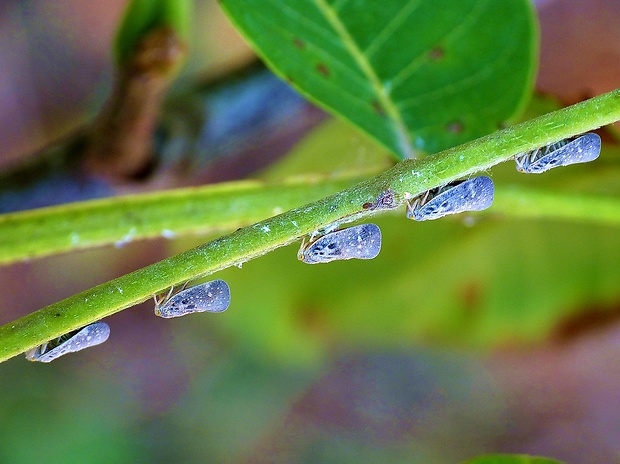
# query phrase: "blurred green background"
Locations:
[[464, 337]]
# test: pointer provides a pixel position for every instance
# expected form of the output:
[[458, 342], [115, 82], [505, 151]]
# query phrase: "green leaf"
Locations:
[[142, 16], [417, 75], [511, 459], [333, 148]]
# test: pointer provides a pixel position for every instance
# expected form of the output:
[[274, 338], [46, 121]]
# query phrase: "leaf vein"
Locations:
[[453, 34], [397, 21], [402, 137], [457, 86]]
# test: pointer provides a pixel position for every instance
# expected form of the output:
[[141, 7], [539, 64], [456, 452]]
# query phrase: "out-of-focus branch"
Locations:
[[120, 140], [209, 131]]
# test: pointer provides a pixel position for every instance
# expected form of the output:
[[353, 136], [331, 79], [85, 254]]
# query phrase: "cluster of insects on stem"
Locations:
[[358, 242]]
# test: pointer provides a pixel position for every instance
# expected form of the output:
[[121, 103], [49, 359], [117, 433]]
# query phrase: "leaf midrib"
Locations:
[[403, 138]]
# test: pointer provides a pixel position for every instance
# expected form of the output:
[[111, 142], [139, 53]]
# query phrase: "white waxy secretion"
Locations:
[[580, 150], [213, 297], [91, 335], [474, 194], [358, 242]]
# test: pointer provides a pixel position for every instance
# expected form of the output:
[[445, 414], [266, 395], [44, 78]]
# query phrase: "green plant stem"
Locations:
[[521, 202], [410, 176], [228, 206], [208, 209]]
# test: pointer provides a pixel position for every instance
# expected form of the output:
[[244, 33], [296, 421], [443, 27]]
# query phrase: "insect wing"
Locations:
[[581, 150], [213, 297], [475, 194], [91, 335], [359, 242]]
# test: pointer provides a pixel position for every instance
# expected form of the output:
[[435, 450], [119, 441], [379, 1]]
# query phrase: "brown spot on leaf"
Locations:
[[378, 108], [299, 43], [323, 69], [470, 296], [312, 320], [436, 53], [455, 127]]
